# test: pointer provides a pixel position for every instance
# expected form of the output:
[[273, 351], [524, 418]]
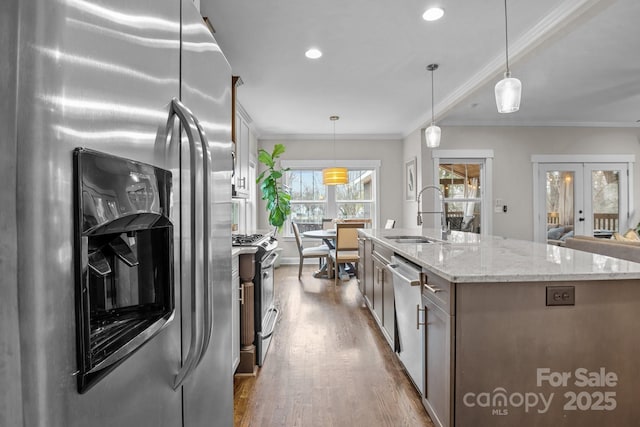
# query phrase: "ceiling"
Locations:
[[578, 60]]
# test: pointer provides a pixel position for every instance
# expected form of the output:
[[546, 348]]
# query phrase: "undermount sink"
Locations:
[[410, 239]]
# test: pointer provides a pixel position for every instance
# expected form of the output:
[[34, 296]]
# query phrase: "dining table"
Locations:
[[328, 236]]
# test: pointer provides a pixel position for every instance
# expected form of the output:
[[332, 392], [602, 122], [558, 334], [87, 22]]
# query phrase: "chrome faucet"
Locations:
[[443, 228]]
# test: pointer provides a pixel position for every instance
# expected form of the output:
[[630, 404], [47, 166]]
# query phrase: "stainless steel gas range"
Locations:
[[266, 313]]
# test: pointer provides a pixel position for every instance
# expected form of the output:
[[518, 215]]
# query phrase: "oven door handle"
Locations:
[[273, 324], [184, 115], [269, 261]]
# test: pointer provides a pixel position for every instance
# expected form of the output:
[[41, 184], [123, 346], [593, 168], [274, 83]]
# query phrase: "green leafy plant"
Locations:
[[273, 191]]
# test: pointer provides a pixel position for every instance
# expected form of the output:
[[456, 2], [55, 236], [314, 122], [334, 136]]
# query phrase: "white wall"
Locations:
[[512, 167], [390, 180], [412, 148]]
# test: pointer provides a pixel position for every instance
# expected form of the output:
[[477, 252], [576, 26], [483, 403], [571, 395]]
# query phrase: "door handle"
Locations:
[[418, 310], [392, 268], [198, 341], [206, 232], [580, 219], [432, 289]]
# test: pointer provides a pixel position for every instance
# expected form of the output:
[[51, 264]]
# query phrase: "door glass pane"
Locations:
[[560, 203], [605, 191], [460, 183]]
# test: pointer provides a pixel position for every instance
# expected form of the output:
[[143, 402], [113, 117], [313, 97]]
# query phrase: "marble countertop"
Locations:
[[472, 258]]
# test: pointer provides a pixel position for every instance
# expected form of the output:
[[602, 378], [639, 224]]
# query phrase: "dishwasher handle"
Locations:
[[393, 268]]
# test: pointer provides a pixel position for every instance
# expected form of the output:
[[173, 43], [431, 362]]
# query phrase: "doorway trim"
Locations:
[[538, 159]]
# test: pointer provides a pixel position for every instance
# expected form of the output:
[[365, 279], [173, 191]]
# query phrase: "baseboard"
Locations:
[[295, 261]]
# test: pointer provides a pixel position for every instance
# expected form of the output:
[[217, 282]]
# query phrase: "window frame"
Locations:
[[332, 202], [485, 159]]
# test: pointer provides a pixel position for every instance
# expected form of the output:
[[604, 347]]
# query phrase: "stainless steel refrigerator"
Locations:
[[102, 74]]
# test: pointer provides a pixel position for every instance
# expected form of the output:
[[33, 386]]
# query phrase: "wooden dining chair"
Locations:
[[320, 252], [327, 224], [346, 247], [366, 222]]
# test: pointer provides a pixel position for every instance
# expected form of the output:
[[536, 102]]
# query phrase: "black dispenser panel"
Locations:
[[124, 259]]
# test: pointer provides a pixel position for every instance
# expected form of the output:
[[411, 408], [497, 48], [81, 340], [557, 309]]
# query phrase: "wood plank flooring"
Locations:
[[328, 364]]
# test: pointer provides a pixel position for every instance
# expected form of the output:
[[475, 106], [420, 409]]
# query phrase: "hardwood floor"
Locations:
[[328, 364]]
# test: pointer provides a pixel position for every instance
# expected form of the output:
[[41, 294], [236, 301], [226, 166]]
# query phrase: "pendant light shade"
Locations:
[[508, 93], [432, 136], [432, 133], [334, 175], [508, 90]]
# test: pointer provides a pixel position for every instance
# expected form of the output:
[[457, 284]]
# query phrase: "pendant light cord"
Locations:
[[432, 113], [334, 142], [432, 68], [333, 119], [506, 35]]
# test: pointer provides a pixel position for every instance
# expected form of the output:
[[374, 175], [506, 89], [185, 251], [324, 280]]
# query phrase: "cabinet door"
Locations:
[[388, 307], [244, 154], [242, 157], [235, 315], [378, 269], [367, 288], [438, 363], [361, 266]]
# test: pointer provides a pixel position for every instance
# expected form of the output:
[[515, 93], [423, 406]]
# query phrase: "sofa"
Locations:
[[624, 249], [558, 234]]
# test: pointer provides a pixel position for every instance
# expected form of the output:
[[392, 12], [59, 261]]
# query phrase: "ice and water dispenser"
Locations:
[[124, 259]]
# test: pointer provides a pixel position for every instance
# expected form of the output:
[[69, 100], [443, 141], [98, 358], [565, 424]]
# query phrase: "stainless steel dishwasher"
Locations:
[[408, 299]]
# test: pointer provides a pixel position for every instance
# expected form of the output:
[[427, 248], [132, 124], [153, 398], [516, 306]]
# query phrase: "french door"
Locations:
[[582, 199]]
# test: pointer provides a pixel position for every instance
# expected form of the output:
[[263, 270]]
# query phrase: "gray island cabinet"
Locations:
[[522, 333]]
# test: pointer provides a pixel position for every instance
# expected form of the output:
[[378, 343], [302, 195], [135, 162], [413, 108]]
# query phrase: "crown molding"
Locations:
[[540, 124], [329, 137], [568, 13]]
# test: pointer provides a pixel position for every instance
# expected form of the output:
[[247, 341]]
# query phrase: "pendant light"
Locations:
[[432, 133], [509, 89], [334, 175]]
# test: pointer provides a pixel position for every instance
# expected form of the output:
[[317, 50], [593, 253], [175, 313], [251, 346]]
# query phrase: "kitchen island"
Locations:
[[517, 332]]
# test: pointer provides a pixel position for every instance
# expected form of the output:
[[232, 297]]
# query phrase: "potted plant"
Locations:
[[273, 191]]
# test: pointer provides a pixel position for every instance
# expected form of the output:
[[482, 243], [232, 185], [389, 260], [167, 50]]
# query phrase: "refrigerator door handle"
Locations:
[[208, 306], [177, 109]]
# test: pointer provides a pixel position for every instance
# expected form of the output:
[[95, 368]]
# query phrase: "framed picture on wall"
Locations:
[[410, 179]]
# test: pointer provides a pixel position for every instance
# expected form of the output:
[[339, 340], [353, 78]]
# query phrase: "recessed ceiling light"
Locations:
[[313, 53], [433, 14]]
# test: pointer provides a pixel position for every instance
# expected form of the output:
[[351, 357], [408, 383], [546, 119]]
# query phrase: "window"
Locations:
[[465, 180], [308, 199], [355, 199], [460, 183], [311, 201]]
